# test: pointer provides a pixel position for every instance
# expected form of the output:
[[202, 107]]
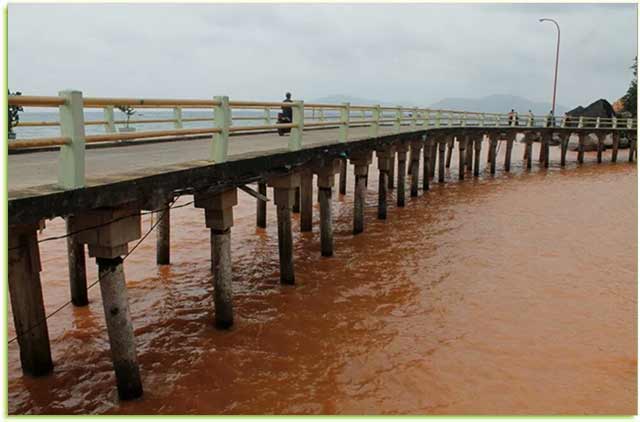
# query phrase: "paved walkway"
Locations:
[[40, 168]]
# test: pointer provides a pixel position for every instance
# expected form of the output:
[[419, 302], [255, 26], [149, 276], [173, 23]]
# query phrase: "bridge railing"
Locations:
[[73, 139]]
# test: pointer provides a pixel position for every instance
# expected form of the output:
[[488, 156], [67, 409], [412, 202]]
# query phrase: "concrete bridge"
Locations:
[[102, 192]]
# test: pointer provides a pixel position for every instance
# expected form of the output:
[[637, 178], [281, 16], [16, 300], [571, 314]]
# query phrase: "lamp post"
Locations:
[[555, 79]]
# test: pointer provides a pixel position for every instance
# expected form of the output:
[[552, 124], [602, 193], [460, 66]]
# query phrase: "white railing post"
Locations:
[[614, 122], [71, 159], [581, 121], [345, 113], [482, 117], [530, 121], [322, 114], [597, 122], [463, 120], [375, 116], [629, 123], [266, 115], [220, 140], [414, 118], [450, 117], [110, 125], [398, 123], [177, 117], [295, 138], [563, 122]]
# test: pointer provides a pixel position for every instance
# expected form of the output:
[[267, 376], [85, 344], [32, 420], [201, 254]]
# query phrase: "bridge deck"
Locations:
[[40, 168]]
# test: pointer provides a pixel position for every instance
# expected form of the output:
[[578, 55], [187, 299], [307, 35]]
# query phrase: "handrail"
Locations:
[[148, 134], [35, 101], [148, 102], [39, 142]]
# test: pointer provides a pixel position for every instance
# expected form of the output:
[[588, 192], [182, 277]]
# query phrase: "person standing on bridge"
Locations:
[[550, 119], [286, 116], [287, 111]]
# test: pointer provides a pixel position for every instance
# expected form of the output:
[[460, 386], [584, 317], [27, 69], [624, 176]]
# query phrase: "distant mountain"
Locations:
[[498, 104], [338, 98], [489, 104]]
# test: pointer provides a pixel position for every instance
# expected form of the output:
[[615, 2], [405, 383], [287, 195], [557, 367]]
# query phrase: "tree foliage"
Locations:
[[127, 110], [14, 117], [630, 99]]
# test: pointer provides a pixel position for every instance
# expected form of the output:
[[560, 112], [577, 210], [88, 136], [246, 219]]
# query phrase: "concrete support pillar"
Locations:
[[441, 160], [115, 302], [25, 291], [385, 156], [326, 176], [306, 200], [343, 177], [486, 137], [546, 142], [600, 147], [462, 151], [296, 201], [218, 210], [564, 145], [360, 161], [426, 165], [416, 147], [261, 207], [449, 151], [477, 146], [580, 148], [401, 149], [507, 153], [107, 232], [493, 145], [614, 150], [392, 170], [434, 154], [529, 150], [284, 191], [542, 151], [163, 235], [77, 266], [468, 159]]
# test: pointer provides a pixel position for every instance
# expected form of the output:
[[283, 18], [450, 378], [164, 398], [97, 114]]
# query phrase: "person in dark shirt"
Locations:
[[287, 112], [286, 116]]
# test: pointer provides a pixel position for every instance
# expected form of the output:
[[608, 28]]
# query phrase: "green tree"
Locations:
[[630, 99]]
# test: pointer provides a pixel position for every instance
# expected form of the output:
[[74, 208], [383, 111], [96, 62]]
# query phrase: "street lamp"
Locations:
[[555, 79]]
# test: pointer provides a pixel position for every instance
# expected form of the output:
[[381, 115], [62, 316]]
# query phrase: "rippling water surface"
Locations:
[[506, 294]]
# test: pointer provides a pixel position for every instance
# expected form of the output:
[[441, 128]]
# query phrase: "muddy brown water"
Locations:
[[513, 294]]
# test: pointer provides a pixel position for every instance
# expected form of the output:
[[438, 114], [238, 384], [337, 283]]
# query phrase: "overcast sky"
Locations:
[[405, 53]]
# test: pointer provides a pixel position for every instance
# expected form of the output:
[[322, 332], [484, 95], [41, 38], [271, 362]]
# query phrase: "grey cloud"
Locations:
[[410, 53]]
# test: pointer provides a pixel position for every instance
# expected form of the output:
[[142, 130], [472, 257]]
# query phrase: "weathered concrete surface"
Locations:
[[40, 168]]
